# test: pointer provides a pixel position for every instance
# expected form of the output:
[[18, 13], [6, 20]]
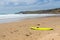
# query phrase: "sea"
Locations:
[[5, 18]]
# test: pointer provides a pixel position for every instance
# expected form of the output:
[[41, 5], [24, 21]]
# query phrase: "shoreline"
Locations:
[[28, 16], [30, 19]]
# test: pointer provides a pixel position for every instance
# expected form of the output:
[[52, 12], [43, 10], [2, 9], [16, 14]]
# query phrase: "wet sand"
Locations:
[[21, 30]]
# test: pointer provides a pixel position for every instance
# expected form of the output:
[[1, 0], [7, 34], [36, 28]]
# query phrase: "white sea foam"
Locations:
[[14, 17], [24, 15]]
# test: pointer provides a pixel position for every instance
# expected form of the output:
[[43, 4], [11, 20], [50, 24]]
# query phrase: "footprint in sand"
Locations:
[[52, 36]]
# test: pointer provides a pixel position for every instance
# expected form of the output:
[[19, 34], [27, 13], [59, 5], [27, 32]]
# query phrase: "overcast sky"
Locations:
[[13, 6]]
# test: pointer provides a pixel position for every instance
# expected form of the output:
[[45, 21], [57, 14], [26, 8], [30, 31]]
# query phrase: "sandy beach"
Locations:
[[21, 30]]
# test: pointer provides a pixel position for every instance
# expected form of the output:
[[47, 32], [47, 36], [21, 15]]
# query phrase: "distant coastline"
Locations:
[[49, 11]]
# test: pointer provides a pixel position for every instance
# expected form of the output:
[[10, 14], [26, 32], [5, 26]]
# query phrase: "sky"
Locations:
[[14, 6]]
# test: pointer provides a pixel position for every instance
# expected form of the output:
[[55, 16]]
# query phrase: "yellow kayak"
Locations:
[[37, 28]]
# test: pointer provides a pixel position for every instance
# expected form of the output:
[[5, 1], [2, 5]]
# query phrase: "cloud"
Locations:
[[9, 6], [2, 3], [17, 2], [26, 2], [23, 2]]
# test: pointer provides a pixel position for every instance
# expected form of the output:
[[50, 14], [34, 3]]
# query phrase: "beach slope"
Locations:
[[21, 30]]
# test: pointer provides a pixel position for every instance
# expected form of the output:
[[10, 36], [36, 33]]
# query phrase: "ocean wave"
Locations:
[[24, 15], [14, 17]]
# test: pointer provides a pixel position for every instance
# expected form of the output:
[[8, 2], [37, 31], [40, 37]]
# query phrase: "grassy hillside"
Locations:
[[56, 11]]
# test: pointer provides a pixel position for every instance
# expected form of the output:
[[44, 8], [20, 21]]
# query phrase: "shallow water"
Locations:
[[14, 17]]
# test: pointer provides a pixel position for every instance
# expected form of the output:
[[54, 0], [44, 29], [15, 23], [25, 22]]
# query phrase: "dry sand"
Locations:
[[21, 30]]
